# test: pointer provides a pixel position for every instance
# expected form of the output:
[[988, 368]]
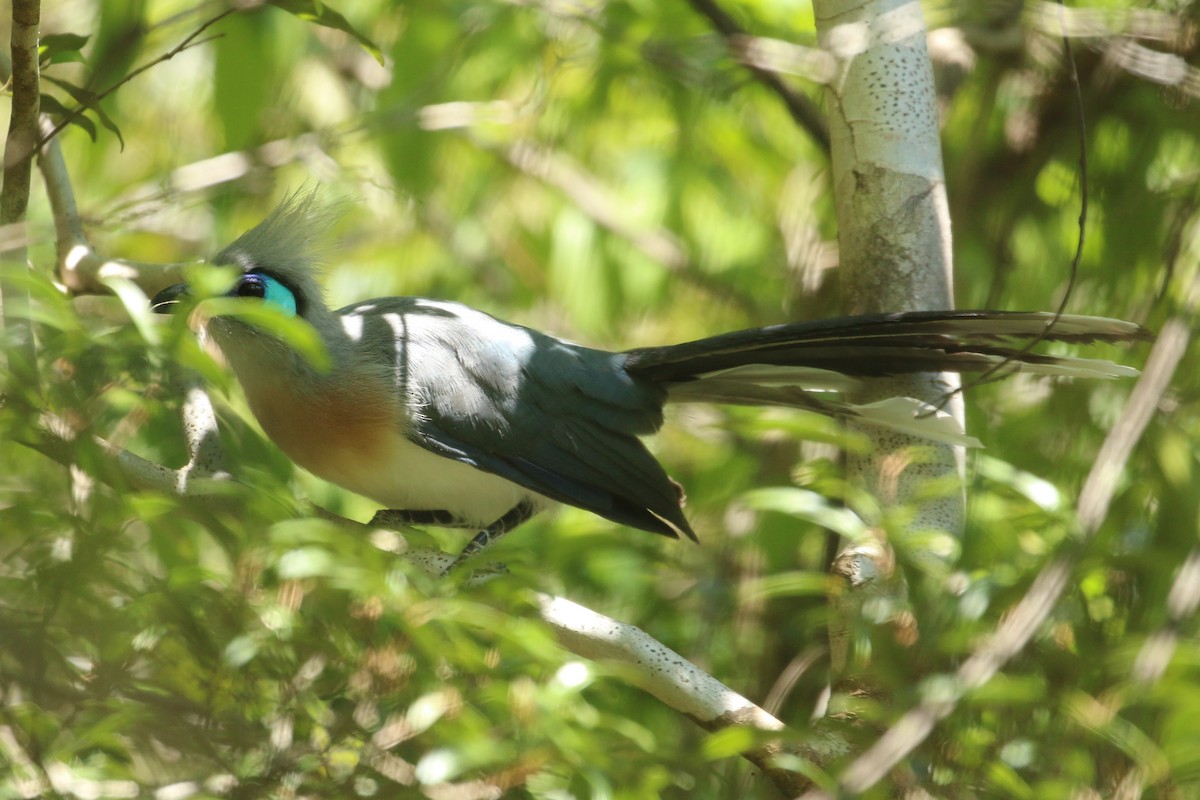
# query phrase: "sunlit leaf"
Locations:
[[58, 48], [51, 106], [321, 13], [88, 99]]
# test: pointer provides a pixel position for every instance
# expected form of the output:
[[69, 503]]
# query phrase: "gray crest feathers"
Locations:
[[289, 243]]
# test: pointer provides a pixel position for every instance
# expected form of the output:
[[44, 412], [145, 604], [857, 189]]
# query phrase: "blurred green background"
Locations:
[[605, 171]]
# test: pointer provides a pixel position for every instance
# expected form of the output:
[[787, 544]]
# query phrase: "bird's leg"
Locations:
[[492, 533], [392, 517]]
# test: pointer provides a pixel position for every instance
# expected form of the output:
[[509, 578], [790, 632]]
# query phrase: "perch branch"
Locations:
[[678, 683], [80, 268]]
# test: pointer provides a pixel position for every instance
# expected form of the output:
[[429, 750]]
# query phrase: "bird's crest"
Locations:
[[289, 243]]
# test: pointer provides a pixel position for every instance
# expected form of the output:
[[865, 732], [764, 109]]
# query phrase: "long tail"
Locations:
[[795, 364]]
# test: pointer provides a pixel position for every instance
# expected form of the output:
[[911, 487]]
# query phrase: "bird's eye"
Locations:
[[257, 284], [251, 286]]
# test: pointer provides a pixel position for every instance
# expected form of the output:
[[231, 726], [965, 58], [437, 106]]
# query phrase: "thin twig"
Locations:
[[804, 112], [80, 268], [999, 369], [188, 42]]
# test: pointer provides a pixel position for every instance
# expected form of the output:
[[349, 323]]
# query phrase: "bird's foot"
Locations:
[[493, 533], [399, 517]]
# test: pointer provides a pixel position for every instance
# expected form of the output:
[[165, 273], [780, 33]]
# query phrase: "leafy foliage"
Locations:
[[607, 172]]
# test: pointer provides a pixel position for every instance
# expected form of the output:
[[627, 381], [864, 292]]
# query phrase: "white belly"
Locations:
[[403, 475]]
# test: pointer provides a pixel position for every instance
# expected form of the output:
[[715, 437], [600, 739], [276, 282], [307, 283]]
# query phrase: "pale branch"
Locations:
[[205, 455], [777, 55], [1155, 656], [591, 198], [222, 169], [1024, 620], [140, 473], [1101, 483], [82, 270], [1182, 601], [1102, 23], [894, 244], [804, 111], [678, 683], [786, 681]]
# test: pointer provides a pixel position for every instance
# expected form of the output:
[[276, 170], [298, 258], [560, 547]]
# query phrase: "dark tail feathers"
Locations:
[[890, 344]]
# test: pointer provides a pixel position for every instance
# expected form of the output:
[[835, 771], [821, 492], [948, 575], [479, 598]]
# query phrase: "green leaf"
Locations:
[[59, 48], [241, 650], [728, 742], [807, 505], [788, 584], [320, 13], [292, 331], [305, 562], [91, 101], [137, 305], [51, 106]]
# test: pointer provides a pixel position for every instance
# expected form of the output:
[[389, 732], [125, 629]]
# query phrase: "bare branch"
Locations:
[[80, 268], [678, 683], [206, 456]]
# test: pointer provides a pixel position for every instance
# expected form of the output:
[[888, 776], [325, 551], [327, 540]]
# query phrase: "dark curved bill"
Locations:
[[165, 301]]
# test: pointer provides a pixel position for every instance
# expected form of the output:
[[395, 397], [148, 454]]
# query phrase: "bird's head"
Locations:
[[274, 278], [276, 259]]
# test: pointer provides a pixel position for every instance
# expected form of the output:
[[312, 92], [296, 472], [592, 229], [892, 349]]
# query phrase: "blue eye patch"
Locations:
[[259, 284]]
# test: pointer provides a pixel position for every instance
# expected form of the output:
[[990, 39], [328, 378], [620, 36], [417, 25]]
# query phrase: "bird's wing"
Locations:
[[556, 418]]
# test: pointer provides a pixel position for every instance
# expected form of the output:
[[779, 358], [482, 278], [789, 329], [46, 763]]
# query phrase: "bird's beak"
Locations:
[[165, 301]]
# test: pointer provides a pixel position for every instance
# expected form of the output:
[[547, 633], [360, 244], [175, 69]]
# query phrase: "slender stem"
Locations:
[[189, 41], [19, 148]]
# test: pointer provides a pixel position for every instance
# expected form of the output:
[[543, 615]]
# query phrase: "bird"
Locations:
[[448, 416]]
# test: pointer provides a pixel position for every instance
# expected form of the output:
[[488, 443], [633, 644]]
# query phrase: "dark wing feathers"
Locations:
[[556, 418]]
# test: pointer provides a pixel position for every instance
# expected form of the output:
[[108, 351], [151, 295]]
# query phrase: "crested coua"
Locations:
[[448, 416]]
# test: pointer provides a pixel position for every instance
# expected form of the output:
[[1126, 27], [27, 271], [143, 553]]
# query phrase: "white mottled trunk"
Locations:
[[894, 238]]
